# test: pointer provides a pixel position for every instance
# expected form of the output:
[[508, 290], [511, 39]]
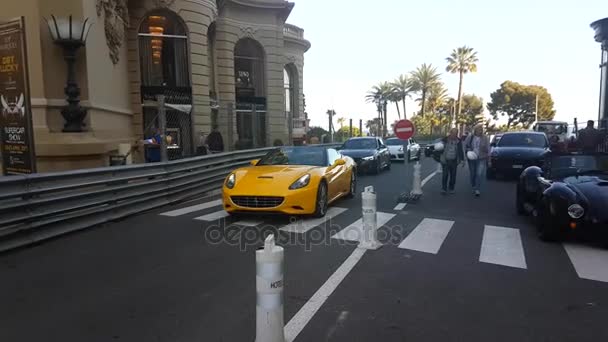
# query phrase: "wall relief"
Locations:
[[116, 22]]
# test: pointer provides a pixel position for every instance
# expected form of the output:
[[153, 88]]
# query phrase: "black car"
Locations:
[[370, 153], [569, 193], [430, 148], [515, 151]]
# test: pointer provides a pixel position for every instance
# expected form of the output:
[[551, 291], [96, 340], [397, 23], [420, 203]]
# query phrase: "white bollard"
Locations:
[[417, 181], [269, 287], [370, 220]]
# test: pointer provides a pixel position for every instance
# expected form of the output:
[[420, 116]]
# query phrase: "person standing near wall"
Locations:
[[215, 141], [477, 146]]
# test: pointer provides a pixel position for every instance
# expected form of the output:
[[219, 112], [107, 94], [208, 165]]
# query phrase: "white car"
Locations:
[[400, 149]]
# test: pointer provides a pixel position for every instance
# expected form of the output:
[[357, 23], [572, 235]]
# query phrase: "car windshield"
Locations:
[[565, 165], [360, 144], [523, 140], [314, 156], [396, 142]]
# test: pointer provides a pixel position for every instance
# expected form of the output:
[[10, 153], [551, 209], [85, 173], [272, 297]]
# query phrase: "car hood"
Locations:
[[519, 152], [358, 153], [595, 195], [266, 178], [395, 148]]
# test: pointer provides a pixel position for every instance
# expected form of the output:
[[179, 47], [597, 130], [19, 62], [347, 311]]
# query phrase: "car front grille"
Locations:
[[257, 201]]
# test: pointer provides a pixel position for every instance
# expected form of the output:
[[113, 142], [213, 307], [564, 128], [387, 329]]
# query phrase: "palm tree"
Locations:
[[402, 87], [423, 79], [462, 60], [341, 122], [380, 96], [394, 97], [436, 97]]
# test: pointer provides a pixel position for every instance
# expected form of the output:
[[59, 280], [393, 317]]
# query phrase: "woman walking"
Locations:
[[451, 155], [477, 146]]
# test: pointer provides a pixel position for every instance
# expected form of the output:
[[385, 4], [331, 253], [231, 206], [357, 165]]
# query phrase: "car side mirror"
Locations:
[[493, 144], [254, 162]]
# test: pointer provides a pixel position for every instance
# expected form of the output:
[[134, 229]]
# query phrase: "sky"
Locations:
[[357, 44]]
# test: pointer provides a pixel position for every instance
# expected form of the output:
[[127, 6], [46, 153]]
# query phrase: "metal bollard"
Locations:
[[417, 185], [369, 220], [269, 287]]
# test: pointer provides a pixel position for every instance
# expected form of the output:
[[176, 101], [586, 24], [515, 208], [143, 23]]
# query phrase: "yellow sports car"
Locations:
[[291, 180]]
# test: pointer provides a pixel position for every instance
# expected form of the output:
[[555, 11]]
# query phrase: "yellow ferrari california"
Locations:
[[291, 180]]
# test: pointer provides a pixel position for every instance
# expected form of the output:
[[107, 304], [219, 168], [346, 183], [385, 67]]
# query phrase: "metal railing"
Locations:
[[40, 206]]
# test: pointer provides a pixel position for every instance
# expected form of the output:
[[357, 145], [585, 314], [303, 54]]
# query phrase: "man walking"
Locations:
[[450, 157], [477, 146]]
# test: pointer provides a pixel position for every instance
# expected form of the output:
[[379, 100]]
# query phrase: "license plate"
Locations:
[[518, 166]]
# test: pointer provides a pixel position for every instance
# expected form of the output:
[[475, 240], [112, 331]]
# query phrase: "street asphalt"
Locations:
[[452, 268]]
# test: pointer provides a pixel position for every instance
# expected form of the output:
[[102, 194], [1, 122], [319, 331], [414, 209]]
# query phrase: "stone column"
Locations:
[[601, 36]]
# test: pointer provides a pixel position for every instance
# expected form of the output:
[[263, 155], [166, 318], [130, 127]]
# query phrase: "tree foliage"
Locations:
[[316, 132], [472, 111], [344, 133], [518, 103], [462, 60], [423, 78], [402, 89], [374, 126]]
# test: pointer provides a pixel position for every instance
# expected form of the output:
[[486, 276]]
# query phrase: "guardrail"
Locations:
[[40, 206]]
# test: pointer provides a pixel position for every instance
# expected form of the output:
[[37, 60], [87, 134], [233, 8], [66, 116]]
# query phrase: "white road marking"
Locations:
[[400, 206], [428, 236], [304, 225], [302, 317], [248, 223], [191, 209], [502, 246], [354, 232], [428, 178], [589, 262], [213, 216]]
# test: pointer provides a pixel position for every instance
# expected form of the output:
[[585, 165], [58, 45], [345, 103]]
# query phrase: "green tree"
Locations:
[[461, 61], [472, 110], [437, 97], [341, 122], [344, 133], [374, 126], [423, 79], [380, 95], [316, 132], [402, 88], [518, 103]]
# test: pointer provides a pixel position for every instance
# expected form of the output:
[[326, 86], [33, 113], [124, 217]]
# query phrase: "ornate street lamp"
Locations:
[[70, 34]]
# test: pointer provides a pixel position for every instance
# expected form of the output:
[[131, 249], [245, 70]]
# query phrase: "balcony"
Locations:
[[293, 31]]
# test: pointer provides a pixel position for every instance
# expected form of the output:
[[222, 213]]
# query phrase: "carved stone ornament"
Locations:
[[291, 58], [116, 22], [164, 3], [249, 31]]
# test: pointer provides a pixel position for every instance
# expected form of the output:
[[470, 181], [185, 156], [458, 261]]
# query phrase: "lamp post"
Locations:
[[601, 36], [70, 34]]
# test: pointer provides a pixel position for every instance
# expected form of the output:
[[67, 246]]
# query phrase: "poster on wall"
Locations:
[[16, 136]]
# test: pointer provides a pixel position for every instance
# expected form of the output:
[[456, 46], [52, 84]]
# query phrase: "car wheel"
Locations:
[[378, 167], [547, 231], [388, 164], [353, 184], [321, 203]]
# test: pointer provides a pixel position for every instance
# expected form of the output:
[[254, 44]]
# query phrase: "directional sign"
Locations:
[[404, 129]]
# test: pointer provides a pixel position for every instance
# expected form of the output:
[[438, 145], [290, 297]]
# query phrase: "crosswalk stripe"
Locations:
[[428, 236], [354, 232], [502, 246], [400, 206], [249, 223], [589, 262], [304, 225], [213, 216], [191, 209]]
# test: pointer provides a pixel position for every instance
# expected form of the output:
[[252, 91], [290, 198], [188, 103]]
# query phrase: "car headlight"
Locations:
[[368, 158], [230, 181], [300, 183], [576, 211]]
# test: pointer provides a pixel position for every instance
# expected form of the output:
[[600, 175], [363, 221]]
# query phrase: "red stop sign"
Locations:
[[404, 129]]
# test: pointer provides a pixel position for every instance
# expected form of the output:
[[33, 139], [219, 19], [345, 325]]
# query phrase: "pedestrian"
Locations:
[[451, 155], [588, 138], [214, 141], [477, 146]]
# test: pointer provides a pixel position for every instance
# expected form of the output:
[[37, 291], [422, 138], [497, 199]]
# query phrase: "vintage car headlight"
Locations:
[[368, 158], [300, 183], [576, 211], [230, 181]]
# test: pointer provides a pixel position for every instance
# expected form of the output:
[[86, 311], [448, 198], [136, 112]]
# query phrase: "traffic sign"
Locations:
[[404, 129]]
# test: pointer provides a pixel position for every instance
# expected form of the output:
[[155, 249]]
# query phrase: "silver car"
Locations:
[[401, 149]]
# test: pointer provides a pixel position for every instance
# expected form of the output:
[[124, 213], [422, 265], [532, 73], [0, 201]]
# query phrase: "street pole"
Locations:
[[536, 112], [162, 123], [351, 128], [361, 127]]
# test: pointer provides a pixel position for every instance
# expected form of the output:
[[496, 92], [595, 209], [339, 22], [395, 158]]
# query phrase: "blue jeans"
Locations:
[[477, 170]]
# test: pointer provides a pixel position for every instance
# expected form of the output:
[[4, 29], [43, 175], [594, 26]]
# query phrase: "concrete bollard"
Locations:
[[269, 287], [370, 220], [417, 180]]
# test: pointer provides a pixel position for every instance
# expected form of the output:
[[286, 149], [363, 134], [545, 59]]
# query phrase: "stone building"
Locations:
[[234, 63]]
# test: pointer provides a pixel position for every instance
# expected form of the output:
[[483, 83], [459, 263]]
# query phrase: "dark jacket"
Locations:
[[439, 155], [215, 142]]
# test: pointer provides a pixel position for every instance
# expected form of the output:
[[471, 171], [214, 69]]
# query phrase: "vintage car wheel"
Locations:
[[353, 184], [547, 230], [321, 202]]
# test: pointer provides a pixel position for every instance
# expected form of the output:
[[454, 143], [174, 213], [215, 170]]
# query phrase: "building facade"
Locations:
[[234, 64]]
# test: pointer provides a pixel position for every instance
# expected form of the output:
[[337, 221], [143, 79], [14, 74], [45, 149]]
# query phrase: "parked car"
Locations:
[[570, 192], [515, 151], [401, 149], [370, 154], [430, 148]]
